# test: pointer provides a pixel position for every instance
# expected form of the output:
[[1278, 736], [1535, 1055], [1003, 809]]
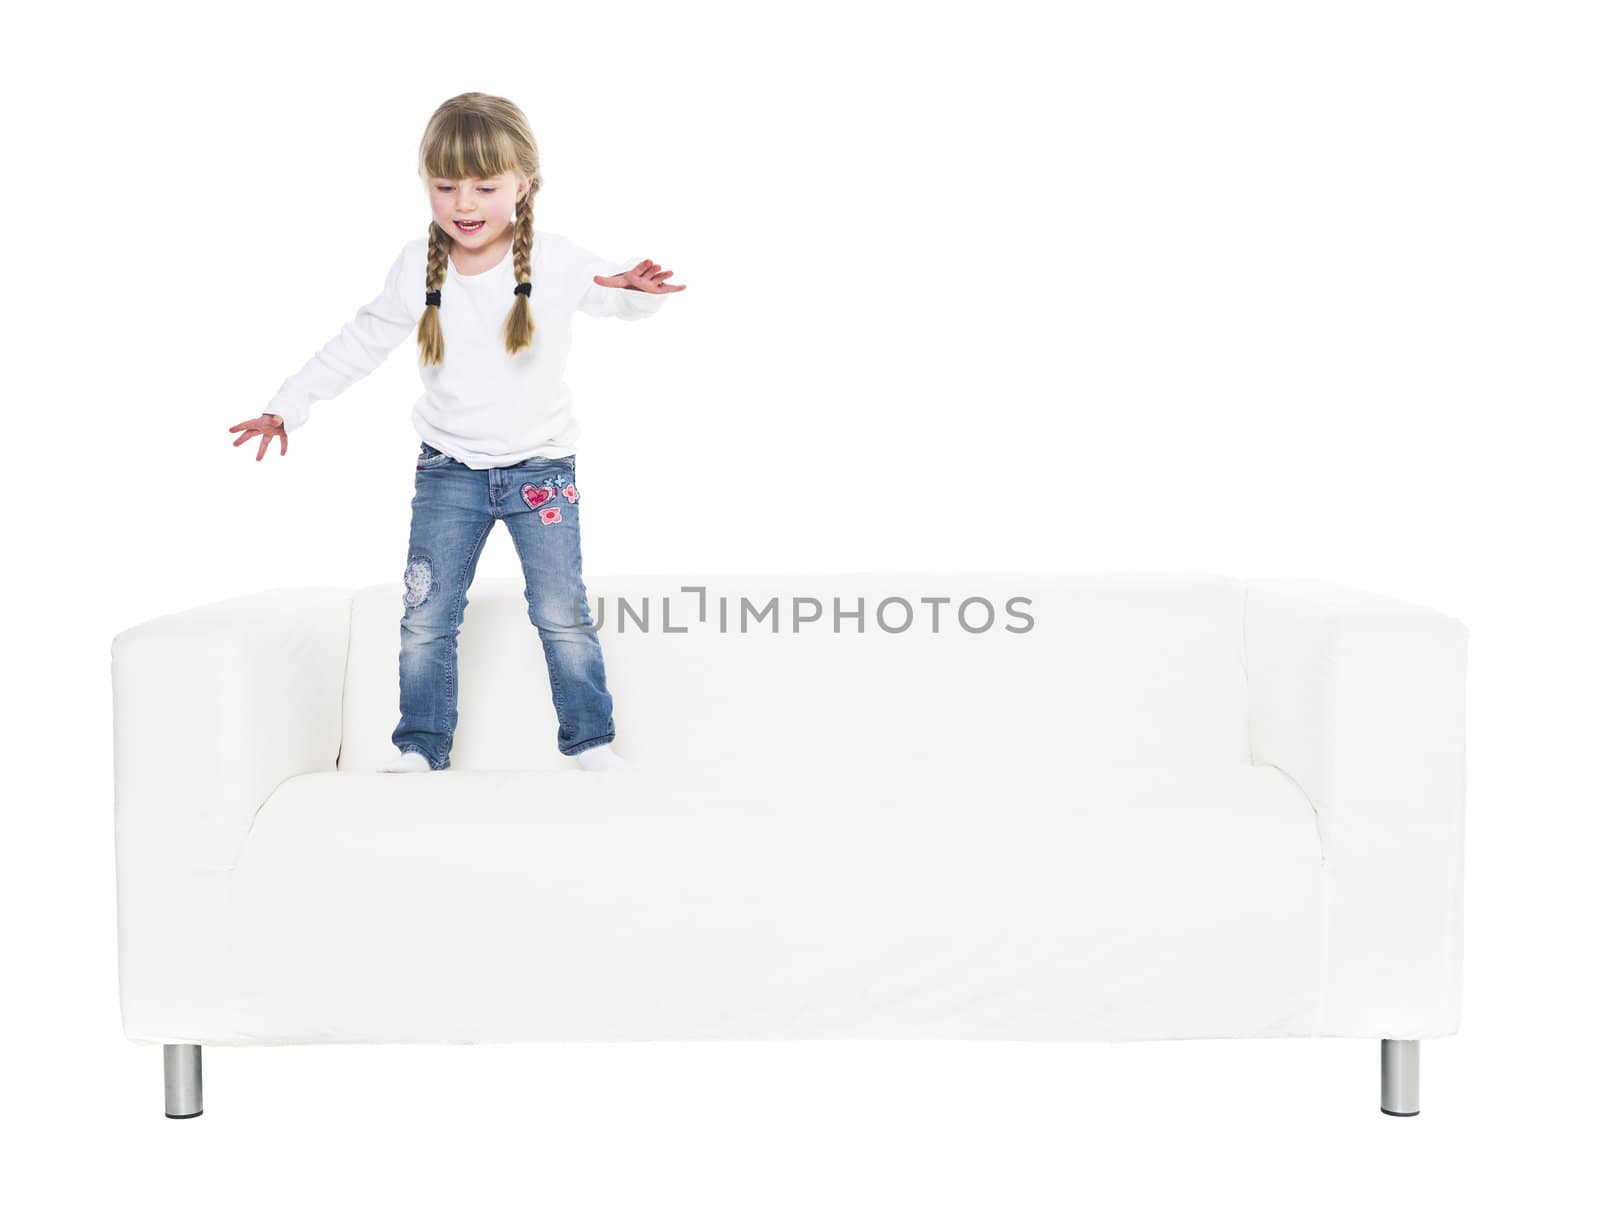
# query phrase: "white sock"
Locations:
[[410, 760], [602, 758]]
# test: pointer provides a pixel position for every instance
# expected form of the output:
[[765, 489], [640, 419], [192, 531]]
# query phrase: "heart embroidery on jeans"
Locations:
[[535, 496]]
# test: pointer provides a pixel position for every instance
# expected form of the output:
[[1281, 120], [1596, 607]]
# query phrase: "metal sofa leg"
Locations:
[[1402, 1064], [181, 1067]]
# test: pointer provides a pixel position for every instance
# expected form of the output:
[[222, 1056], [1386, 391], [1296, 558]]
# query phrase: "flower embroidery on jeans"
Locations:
[[538, 494], [549, 516]]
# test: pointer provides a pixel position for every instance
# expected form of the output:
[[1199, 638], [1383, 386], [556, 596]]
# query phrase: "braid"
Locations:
[[430, 338], [519, 322]]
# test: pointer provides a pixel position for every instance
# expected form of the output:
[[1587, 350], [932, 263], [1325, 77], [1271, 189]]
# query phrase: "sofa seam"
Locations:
[[344, 681]]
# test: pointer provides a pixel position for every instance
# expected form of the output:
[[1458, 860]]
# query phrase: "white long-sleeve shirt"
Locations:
[[482, 406]]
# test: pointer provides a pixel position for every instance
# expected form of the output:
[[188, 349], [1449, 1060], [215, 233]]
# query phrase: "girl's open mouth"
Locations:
[[467, 226]]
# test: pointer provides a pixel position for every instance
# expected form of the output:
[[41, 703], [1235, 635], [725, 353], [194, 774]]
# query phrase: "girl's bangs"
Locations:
[[469, 148]]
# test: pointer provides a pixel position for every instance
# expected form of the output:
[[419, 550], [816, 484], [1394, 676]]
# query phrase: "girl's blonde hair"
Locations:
[[477, 135]]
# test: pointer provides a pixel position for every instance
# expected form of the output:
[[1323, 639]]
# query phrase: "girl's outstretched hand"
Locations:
[[268, 426], [646, 277]]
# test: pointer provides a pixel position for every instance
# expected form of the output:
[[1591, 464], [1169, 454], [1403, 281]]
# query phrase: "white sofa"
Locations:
[[1136, 806]]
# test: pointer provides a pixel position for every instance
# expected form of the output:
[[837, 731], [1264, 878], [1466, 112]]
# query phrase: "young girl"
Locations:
[[491, 302]]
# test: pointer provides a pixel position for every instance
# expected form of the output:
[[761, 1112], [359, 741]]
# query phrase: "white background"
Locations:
[[1264, 289]]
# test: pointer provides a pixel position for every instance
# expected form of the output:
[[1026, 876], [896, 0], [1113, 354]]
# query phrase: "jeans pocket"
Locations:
[[428, 457]]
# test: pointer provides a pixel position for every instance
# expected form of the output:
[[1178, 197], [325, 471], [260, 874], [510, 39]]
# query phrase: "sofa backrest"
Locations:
[[1105, 668]]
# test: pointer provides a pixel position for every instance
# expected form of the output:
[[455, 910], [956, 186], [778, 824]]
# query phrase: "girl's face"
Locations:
[[489, 205]]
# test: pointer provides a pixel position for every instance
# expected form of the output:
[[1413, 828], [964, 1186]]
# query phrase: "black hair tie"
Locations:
[[432, 298], [523, 290]]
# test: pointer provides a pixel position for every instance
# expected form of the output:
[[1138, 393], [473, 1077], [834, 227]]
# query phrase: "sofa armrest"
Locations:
[[212, 708], [1361, 701]]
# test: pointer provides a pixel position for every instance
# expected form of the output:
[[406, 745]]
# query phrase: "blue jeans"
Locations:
[[452, 513]]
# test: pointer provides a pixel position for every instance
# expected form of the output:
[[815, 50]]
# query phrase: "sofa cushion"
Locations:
[[1115, 667], [1024, 901]]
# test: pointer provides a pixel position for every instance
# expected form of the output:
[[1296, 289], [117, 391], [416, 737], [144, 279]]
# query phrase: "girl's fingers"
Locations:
[[254, 428]]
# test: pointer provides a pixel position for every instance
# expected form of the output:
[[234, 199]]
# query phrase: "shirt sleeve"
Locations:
[[359, 348], [626, 303]]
